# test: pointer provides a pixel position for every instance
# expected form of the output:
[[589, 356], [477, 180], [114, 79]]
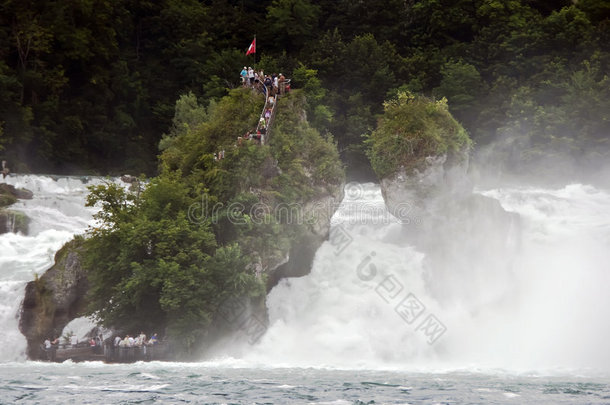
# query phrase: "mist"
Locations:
[[514, 280]]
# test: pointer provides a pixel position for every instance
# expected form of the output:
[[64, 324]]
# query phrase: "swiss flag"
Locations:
[[252, 47]]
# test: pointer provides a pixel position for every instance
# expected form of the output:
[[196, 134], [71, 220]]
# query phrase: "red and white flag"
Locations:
[[252, 47]]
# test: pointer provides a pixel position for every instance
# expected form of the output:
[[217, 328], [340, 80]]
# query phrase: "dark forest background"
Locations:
[[90, 86]]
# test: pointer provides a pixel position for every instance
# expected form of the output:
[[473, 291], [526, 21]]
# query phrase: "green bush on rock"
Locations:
[[411, 129]]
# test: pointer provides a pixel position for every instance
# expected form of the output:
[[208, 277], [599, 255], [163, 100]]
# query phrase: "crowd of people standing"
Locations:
[[274, 83], [272, 86], [138, 341]]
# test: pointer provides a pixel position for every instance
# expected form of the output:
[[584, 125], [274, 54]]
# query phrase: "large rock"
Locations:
[[54, 299], [466, 237], [8, 190], [420, 192]]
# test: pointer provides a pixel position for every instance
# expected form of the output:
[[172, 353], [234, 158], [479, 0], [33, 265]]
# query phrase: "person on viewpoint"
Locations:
[[251, 76], [244, 76], [282, 84]]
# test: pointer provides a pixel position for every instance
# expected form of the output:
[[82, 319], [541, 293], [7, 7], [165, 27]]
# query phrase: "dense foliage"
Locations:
[[170, 252], [411, 129], [91, 85]]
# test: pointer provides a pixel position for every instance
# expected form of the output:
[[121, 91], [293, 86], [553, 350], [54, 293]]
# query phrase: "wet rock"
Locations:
[[16, 193], [54, 299]]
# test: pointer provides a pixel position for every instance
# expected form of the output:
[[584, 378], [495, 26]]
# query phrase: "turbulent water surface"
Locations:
[[511, 315], [211, 383]]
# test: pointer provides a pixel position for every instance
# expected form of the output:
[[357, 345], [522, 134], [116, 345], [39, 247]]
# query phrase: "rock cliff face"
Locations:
[[465, 236], [315, 215], [54, 299], [420, 193]]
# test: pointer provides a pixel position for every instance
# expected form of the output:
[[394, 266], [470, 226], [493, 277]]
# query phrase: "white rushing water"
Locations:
[[57, 212], [371, 301]]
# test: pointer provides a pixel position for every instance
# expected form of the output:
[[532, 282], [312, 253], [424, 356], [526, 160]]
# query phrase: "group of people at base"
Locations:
[[49, 344], [276, 84], [71, 341], [138, 341]]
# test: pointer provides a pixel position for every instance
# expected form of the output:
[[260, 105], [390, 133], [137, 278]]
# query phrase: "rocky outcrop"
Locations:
[[7, 191], [314, 219], [54, 299], [466, 237], [13, 221], [419, 193], [421, 155], [295, 185]]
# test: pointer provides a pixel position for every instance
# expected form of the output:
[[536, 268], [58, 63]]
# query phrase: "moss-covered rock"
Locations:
[[420, 154], [7, 199], [13, 221], [412, 130], [418, 151]]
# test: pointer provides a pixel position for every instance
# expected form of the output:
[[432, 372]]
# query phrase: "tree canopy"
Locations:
[[90, 86]]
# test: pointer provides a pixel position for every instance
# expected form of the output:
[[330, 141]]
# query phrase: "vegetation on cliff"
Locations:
[[169, 252], [411, 129]]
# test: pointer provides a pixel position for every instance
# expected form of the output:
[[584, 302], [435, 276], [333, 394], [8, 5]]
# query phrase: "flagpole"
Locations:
[[255, 51]]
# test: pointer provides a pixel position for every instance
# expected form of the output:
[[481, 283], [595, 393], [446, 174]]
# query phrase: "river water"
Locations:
[[372, 323], [213, 383]]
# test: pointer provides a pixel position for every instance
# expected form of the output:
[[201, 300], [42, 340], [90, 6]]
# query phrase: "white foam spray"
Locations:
[[371, 302]]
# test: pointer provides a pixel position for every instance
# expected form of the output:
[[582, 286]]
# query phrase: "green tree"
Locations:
[[153, 267], [463, 87], [320, 115], [292, 23], [597, 10]]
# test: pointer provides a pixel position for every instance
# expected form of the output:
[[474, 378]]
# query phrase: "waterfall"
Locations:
[[57, 212], [372, 299]]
